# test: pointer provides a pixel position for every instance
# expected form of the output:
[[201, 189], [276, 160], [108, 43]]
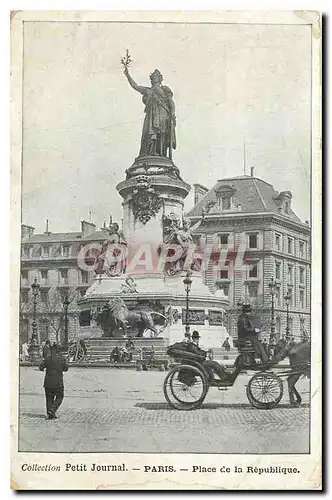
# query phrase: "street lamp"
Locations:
[[287, 300], [187, 284], [34, 347], [35, 291], [65, 304], [272, 287]]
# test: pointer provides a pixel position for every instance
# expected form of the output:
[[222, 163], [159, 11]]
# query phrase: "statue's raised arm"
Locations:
[[133, 84]]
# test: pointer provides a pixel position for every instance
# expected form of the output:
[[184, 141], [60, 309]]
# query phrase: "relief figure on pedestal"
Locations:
[[181, 237], [111, 259]]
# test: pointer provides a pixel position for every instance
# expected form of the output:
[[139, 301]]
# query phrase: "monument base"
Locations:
[[165, 296]]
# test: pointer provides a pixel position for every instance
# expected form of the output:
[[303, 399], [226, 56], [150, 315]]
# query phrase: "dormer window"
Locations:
[[65, 250], [226, 203], [225, 197], [45, 251], [283, 200]]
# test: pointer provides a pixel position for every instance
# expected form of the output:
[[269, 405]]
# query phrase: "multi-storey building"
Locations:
[[57, 261], [255, 236]]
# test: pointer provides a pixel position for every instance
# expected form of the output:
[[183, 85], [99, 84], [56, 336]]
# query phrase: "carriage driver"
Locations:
[[246, 331]]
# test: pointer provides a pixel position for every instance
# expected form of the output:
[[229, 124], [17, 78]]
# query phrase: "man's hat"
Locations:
[[246, 308], [195, 335]]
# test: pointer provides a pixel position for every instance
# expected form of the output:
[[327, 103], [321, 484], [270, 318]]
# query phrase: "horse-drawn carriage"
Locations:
[[188, 382]]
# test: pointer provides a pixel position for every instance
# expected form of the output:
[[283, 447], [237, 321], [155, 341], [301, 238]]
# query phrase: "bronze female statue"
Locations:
[[158, 135]]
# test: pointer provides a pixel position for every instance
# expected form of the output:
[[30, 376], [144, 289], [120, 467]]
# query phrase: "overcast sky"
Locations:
[[82, 121]]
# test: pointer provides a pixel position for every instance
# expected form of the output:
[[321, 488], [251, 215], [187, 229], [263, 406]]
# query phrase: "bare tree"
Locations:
[[54, 310]]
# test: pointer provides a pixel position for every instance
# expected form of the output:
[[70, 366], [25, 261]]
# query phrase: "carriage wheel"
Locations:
[[80, 354], [185, 387], [265, 390], [71, 350]]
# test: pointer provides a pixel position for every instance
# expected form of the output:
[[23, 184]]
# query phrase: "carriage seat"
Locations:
[[246, 348], [244, 345]]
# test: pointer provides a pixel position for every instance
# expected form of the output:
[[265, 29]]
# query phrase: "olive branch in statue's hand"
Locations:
[[126, 60]]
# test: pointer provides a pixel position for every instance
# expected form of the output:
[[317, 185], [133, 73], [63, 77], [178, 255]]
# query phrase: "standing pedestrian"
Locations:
[[25, 351], [55, 365], [226, 345]]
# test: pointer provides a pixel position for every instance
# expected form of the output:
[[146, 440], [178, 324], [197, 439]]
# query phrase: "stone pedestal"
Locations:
[[153, 188], [152, 191]]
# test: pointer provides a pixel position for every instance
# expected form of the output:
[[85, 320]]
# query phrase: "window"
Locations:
[[84, 277], [253, 240], [290, 274], [25, 275], [45, 251], [278, 273], [301, 272], [26, 252], [25, 297], [44, 296], [278, 240], [278, 325], [301, 249], [290, 325], [301, 299], [290, 294], [278, 296], [44, 274], [252, 291], [64, 276], [225, 203], [223, 238], [197, 239], [65, 251], [82, 293], [287, 207], [253, 271], [290, 245]]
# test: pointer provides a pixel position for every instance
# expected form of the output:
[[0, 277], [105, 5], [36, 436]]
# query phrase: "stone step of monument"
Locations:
[[138, 342]]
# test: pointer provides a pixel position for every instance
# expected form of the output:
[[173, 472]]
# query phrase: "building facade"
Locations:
[[249, 234], [62, 265]]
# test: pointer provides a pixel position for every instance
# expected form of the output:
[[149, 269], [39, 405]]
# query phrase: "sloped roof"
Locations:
[[252, 193], [64, 237]]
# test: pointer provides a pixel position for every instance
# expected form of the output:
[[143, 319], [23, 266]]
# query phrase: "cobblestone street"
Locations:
[[108, 410]]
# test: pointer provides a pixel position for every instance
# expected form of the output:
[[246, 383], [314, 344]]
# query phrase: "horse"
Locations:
[[299, 361], [115, 315]]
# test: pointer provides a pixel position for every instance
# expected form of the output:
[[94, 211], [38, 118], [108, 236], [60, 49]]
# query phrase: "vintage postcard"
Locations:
[[166, 250]]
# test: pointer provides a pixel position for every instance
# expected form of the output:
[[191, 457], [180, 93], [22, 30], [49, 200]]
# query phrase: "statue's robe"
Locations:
[[158, 133]]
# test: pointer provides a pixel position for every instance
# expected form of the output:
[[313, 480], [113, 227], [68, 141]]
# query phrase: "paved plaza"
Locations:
[[110, 410]]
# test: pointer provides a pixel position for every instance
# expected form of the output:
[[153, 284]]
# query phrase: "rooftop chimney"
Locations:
[[252, 171], [199, 192], [87, 228], [26, 231], [46, 228]]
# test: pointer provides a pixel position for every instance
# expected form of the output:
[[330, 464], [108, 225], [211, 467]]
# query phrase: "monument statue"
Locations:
[[111, 260], [115, 316], [158, 134], [174, 234]]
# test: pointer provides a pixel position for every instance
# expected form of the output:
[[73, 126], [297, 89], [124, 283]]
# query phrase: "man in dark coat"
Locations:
[[246, 331], [55, 365]]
